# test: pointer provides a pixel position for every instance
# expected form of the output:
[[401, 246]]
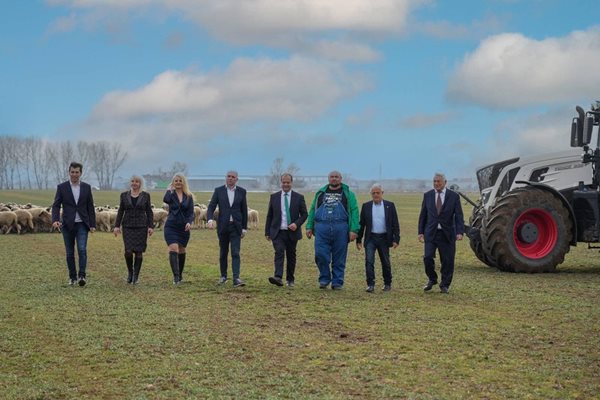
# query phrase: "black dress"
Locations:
[[180, 213], [135, 216]]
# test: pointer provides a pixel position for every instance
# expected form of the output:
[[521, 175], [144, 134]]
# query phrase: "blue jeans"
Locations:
[[79, 235], [230, 237], [377, 243], [331, 248]]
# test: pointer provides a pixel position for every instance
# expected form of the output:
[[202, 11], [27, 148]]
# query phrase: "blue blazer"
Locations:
[[392, 226], [238, 211], [84, 207], [298, 214], [450, 219], [181, 213]]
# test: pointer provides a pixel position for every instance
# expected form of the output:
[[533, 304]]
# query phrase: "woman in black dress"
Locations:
[[179, 222], [134, 219]]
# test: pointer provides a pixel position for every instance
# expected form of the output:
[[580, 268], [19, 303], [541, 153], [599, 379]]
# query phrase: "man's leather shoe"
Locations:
[[370, 289], [276, 281], [387, 288], [429, 286], [444, 289]]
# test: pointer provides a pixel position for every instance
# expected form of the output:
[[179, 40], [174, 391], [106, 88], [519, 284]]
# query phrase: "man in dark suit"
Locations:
[[78, 218], [286, 214], [381, 230], [232, 224], [441, 224]]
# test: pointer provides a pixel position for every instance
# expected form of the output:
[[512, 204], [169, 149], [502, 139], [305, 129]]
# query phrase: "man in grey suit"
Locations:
[[286, 214], [232, 224]]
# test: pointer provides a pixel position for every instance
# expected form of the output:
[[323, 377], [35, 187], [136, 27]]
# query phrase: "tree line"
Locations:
[[35, 163]]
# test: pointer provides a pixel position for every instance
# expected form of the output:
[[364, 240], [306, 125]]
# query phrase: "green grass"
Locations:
[[495, 336]]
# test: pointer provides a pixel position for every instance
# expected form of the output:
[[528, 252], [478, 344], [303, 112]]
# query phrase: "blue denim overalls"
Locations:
[[331, 242]]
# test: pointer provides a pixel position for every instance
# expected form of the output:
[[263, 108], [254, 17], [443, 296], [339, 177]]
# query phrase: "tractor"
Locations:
[[532, 209]]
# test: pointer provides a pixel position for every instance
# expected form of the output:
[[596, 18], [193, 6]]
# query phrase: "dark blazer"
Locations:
[[181, 213], [84, 207], [392, 226], [298, 213], [238, 211], [138, 216], [450, 219]]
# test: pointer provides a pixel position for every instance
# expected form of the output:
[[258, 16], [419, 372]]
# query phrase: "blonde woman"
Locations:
[[179, 222], [134, 220]]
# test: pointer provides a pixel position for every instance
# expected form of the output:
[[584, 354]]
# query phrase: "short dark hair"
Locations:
[[76, 165], [286, 174]]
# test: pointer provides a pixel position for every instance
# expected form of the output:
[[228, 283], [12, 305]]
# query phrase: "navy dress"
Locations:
[[179, 215]]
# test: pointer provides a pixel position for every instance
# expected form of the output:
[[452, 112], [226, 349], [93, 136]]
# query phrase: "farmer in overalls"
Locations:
[[334, 221]]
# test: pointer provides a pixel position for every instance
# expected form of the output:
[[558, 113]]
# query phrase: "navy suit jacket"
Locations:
[[392, 226], [298, 214], [238, 210], [84, 207], [450, 219]]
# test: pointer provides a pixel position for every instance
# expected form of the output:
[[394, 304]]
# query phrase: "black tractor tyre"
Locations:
[[527, 230], [475, 222]]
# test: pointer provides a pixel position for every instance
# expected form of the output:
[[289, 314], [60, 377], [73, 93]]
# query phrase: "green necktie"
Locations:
[[287, 208]]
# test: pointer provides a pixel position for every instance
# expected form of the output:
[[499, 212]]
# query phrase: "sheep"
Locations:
[[160, 217], [24, 219], [42, 219], [8, 221], [252, 218], [103, 220]]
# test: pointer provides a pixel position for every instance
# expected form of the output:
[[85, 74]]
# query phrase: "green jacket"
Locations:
[[353, 213]]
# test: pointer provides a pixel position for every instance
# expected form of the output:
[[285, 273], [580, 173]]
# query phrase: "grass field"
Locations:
[[495, 336]]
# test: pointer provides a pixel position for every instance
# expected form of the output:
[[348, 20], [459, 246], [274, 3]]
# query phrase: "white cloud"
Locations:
[[510, 70], [290, 24]]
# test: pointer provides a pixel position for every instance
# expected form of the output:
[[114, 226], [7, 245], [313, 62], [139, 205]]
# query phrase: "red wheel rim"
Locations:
[[547, 233]]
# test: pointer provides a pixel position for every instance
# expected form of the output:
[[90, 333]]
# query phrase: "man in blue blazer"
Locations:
[[232, 224], [78, 218], [441, 224], [381, 230], [285, 216]]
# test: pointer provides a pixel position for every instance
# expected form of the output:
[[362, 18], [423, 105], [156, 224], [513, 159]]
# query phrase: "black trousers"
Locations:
[[447, 250], [285, 247]]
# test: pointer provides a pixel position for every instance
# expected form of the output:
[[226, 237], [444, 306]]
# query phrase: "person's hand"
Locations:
[[56, 225], [117, 230], [187, 227], [150, 231], [421, 238], [292, 227], [359, 246], [352, 236], [394, 245], [210, 224], [92, 230], [268, 237], [459, 237], [309, 233], [244, 233]]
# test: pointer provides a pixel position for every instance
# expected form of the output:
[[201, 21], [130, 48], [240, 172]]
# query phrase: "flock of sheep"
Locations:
[[20, 218]]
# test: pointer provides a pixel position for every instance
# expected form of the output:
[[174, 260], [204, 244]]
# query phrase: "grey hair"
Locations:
[[376, 186], [335, 172], [232, 171], [139, 178], [441, 175]]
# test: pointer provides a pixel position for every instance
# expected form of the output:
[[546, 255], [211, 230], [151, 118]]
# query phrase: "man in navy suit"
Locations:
[[78, 218], [381, 230], [441, 224], [286, 214], [232, 224]]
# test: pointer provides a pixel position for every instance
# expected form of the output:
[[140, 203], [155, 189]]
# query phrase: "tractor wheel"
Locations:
[[475, 237], [527, 230]]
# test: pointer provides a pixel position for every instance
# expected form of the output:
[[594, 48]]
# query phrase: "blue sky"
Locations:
[[408, 86]]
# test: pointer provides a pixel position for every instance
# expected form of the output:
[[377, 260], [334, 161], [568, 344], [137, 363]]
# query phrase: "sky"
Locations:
[[377, 89]]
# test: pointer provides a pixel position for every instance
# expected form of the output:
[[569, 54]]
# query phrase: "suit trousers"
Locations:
[[285, 247], [447, 250], [377, 242], [232, 237]]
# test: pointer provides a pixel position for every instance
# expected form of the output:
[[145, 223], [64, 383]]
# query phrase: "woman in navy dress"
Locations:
[[179, 222], [134, 220]]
